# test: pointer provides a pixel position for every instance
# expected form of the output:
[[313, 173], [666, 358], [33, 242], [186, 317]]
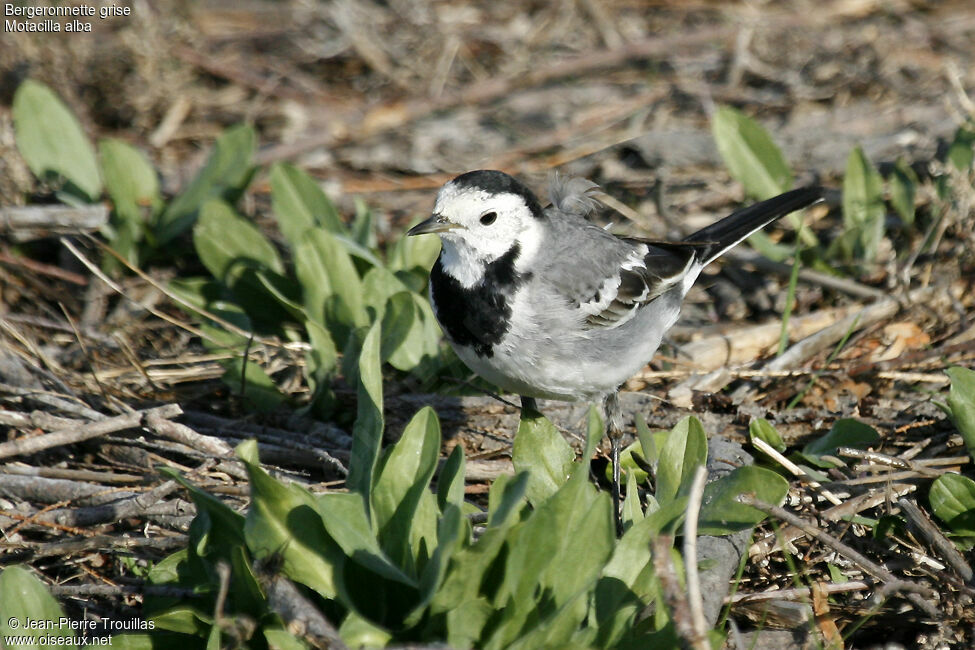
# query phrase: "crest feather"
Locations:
[[572, 195]]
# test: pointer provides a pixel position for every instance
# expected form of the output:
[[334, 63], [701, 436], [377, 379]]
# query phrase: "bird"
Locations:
[[544, 303]]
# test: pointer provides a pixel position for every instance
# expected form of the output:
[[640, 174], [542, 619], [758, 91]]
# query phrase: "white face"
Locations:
[[486, 226]]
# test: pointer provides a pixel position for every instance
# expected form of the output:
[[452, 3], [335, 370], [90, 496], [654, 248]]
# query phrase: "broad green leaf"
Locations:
[[133, 186], [23, 599], [466, 622], [595, 430], [960, 151], [358, 632], [279, 638], [450, 484], [684, 451], [535, 578], [401, 480], [628, 465], [225, 175], [330, 284], [540, 450], [227, 524], [252, 385], [130, 179], [414, 253], [300, 204], [345, 519], [555, 629], [651, 442], [228, 244], [505, 496], [903, 186], [367, 433], [863, 208], [284, 522], [586, 516], [378, 286], [750, 154], [632, 511], [622, 591], [403, 332], [961, 404], [952, 498], [363, 228], [184, 619], [51, 140], [283, 289], [762, 429], [846, 432], [321, 362], [210, 295], [452, 531], [721, 514]]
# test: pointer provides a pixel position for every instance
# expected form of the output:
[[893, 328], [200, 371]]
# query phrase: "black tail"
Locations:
[[731, 230]]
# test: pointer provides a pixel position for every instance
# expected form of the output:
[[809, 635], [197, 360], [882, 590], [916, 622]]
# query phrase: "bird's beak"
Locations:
[[435, 224]]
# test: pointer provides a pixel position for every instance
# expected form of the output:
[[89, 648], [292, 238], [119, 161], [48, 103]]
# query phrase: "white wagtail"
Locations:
[[544, 303]]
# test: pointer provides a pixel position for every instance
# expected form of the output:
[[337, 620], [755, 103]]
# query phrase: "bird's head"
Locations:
[[481, 215]]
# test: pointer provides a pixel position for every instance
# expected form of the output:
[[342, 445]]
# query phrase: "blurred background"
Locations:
[[386, 100]]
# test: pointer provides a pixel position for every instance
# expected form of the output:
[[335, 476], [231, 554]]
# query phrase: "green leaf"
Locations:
[[299, 204], [321, 362], [24, 599], [450, 484], [751, 156], [279, 638], [540, 450], [903, 186], [628, 465], [846, 432], [133, 186], [632, 511], [505, 498], [228, 244], [452, 532], [225, 175], [227, 525], [345, 518], [52, 142], [960, 151], [401, 481], [863, 208], [367, 433], [952, 498], [378, 286], [284, 522], [130, 179], [537, 591], [403, 331], [623, 588], [961, 404], [252, 385], [721, 514], [761, 428], [358, 632], [684, 451], [651, 442], [410, 253], [330, 284], [363, 227]]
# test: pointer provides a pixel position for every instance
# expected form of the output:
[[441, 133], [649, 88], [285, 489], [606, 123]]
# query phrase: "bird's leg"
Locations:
[[528, 404], [614, 429]]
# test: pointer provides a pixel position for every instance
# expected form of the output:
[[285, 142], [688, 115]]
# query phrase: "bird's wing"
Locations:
[[608, 278]]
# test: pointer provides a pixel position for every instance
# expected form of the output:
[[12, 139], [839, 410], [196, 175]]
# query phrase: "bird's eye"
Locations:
[[488, 218]]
